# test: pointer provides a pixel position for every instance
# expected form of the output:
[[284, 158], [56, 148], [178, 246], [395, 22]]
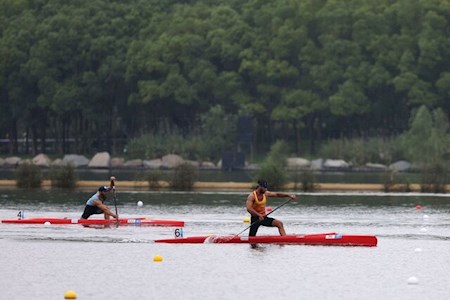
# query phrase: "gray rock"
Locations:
[[134, 163], [376, 166], [75, 159], [153, 163], [252, 167], [100, 160], [42, 160], [193, 163], [401, 165], [297, 163], [58, 163], [117, 162], [171, 161], [12, 161], [336, 164], [25, 161], [208, 165], [317, 164]]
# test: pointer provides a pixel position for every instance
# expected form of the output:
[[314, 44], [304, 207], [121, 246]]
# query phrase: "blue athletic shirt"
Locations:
[[90, 202]]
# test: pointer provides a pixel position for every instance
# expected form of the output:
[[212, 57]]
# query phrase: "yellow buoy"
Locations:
[[246, 219], [157, 258], [70, 295]]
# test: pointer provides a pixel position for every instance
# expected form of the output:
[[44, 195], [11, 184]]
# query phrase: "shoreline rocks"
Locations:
[[103, 160]]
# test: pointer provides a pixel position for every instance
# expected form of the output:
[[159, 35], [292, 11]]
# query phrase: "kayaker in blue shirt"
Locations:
[[95, 204]]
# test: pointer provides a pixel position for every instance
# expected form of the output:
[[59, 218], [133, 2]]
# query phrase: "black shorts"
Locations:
[[91, 210], [267, 221]]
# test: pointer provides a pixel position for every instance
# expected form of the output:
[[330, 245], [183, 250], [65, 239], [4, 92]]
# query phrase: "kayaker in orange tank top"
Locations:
[[256, 206]]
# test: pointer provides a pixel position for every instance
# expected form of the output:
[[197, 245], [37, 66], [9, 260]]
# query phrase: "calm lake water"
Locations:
[[42, 262]]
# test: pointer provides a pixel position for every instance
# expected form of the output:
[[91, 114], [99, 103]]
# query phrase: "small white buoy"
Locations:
[[47, 223], [423, 230], [413, 280], [140, 203], [418, 250]]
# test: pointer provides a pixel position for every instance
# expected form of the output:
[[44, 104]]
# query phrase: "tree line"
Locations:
[[99, 75]]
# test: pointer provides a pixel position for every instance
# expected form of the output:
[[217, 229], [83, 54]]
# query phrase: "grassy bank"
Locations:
[[226, 186]]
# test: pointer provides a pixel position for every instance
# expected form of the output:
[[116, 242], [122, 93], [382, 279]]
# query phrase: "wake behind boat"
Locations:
[[122, 221], [330, 239]]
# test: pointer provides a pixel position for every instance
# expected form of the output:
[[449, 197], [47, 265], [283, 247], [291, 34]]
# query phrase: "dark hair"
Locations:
[[263, 183], [103, 189]]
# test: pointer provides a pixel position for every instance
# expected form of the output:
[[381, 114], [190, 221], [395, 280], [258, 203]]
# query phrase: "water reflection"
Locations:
[[234, 176]]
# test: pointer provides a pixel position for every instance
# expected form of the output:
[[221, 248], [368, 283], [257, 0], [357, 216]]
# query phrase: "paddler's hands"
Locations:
[[112, 178], [292, 196]]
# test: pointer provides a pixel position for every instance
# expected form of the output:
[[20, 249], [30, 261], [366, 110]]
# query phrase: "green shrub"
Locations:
[[307, 179], [434, 178], [391, 182], [28, 176], [183, 177], [274, 174], [273, 169], [63, 176], [153, 177], [388, 180]]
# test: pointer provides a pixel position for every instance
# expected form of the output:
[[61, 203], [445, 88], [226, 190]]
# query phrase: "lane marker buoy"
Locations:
[[70, 294], [157, 258]]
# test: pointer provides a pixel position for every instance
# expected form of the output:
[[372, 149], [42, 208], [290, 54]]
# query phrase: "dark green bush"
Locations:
[[274, 167], [434, 178], [393, 183], [63, 176], [183, 177], [28, 176], [153, 177], [274, 174], [307, 179]]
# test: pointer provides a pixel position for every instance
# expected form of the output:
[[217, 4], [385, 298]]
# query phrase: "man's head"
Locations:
[[262, 186], [102, 191]]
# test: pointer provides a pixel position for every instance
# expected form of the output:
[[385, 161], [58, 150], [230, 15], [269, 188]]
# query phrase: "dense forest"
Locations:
[[95, 75]]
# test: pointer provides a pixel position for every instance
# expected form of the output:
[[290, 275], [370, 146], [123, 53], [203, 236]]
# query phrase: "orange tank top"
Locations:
[[260, 205]]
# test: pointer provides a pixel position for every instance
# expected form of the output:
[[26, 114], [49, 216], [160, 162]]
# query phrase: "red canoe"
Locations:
[[126, 221], [332, 239]]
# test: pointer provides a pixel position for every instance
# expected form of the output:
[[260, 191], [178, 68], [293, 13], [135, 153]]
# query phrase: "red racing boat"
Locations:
[[330, 239], [124, 221]]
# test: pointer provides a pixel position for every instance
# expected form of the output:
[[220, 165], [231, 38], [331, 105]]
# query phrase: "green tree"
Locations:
[[427, 140]]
